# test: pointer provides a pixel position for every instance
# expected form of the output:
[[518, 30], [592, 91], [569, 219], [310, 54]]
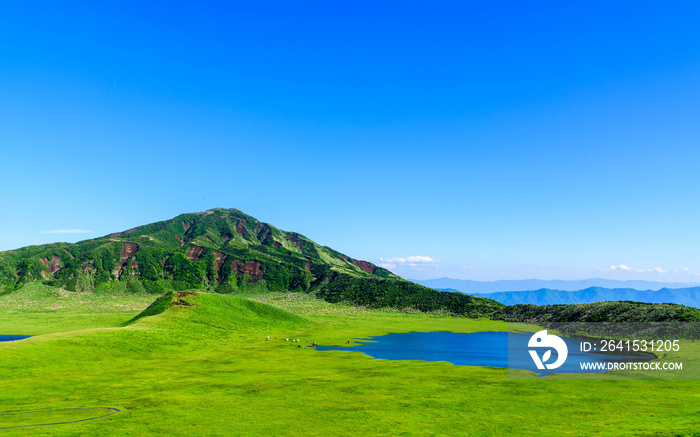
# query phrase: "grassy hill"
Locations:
[[226, 251], [225, 313], [598, 312], [612, 318]]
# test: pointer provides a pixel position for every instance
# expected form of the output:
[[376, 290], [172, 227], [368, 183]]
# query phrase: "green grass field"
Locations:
[[203, 368]]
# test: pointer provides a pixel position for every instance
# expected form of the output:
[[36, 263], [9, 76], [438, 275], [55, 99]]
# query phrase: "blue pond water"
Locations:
[[490, 349], [13, 337]]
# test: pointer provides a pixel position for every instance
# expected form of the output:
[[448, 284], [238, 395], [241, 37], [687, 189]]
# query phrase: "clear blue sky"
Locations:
[[490, 140]]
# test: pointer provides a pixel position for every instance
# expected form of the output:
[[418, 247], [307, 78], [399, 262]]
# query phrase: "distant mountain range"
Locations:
[[544, 296], [475, 287]]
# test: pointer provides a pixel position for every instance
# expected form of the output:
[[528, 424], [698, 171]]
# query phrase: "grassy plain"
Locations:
[[204, 368]]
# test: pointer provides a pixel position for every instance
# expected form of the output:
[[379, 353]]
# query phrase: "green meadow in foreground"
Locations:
[[202, 367]]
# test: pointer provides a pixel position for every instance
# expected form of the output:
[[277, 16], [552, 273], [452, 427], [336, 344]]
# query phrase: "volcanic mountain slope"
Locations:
[[223, 250]]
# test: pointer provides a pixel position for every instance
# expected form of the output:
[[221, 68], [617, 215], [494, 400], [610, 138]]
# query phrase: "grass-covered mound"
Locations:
[[224, 313]]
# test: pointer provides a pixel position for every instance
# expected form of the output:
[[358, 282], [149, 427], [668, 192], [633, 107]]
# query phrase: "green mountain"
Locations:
[[223, 250]]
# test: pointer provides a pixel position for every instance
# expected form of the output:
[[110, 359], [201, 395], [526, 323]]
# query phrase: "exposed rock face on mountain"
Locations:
[[224, 251]]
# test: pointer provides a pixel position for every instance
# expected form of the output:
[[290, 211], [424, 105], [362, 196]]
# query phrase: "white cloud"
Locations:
[[626, 268], [685, 271], [412, 260], [67, 231], [416, 262]]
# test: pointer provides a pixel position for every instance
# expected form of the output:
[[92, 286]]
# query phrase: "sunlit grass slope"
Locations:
[[39, 309], [202, 366]]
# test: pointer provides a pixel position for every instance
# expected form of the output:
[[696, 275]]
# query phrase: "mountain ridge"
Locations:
[[223, 250]]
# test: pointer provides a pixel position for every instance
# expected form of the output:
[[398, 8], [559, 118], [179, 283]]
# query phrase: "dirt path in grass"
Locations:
[[113, 411]]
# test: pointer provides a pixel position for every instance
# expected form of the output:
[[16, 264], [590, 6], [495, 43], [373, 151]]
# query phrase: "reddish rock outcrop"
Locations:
[[88, 269], [182, 243], [55, 264], [252, 269], [219, 259], [185, 226], [276, 244], [69, 254], [118, 270], [240, 228], [128, 250], [294, 238], [308, 267], [194, 253], [119, 234], [364, 265]]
